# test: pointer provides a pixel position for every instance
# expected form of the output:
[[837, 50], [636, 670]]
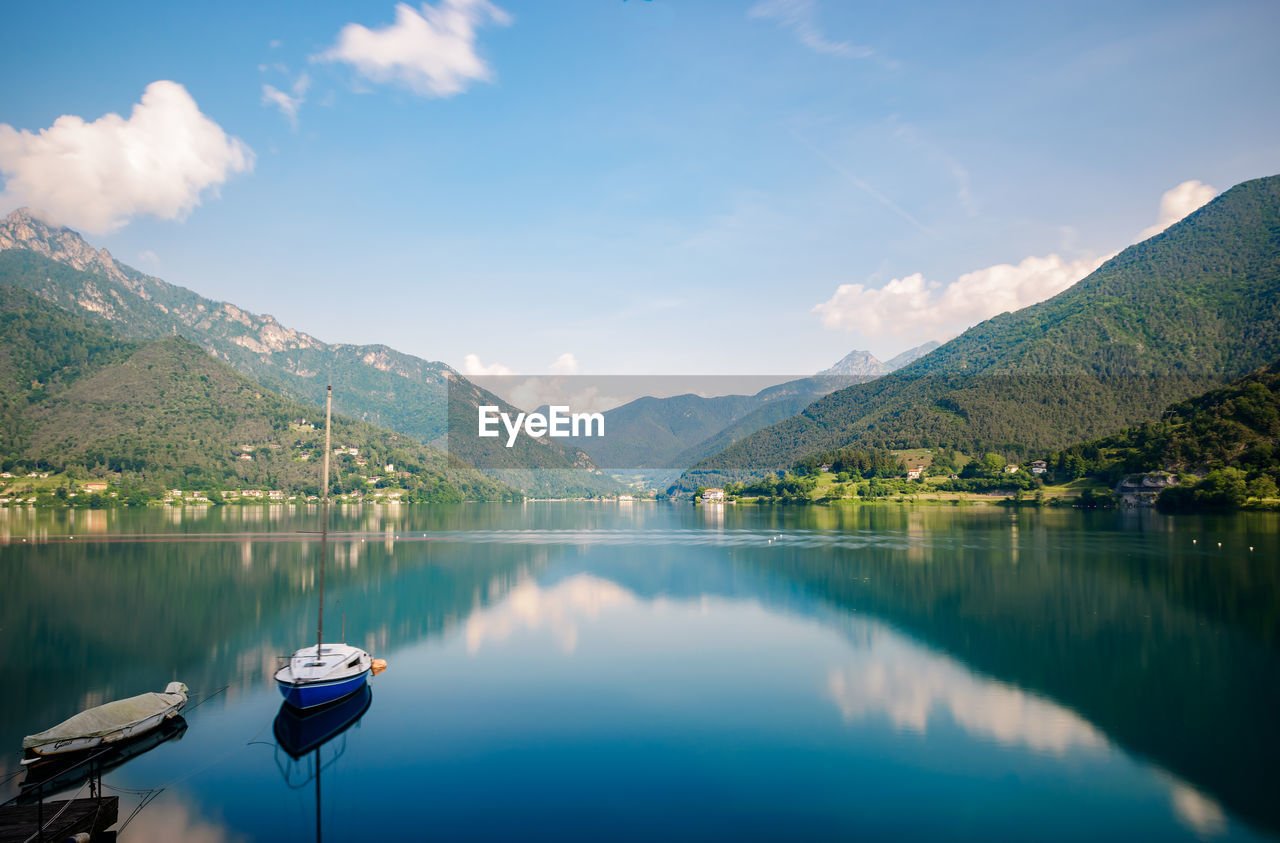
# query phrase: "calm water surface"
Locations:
[[644, 670]]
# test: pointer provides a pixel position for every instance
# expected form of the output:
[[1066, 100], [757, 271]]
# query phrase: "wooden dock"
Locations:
[[95, 816]]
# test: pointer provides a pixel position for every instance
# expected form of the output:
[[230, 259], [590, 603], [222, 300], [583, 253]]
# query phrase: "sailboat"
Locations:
[[326, 673]]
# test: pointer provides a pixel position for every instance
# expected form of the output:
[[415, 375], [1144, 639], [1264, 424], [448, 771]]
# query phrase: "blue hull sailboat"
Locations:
[[326, 673], [339, 670]]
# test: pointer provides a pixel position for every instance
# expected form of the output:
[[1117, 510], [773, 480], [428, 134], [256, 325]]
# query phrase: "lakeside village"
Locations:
[[942, 476], [846, 476], [355, 478], [934, 477]]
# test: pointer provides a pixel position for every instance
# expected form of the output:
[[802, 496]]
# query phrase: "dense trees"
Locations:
[[164, 414]]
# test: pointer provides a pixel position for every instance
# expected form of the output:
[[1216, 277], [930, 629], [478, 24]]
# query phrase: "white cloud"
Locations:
[[431, 52], [98, 176], [799, 17], [1177, 203], [472, 367], [565, 364], [149, 257], [288, 104], [912, 306]]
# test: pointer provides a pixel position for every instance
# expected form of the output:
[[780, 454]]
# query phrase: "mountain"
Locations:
[[911, 355], [863, 364], [680, 430], [670, 432], [1166, 319], [373, 383], [858, 363], [166, 414]]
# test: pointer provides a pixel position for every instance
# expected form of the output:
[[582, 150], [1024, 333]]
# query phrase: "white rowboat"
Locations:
[[106, 724]]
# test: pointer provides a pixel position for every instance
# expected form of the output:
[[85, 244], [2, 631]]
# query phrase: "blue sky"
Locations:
[[647, 186]]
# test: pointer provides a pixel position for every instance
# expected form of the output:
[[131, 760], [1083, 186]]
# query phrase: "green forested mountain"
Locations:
[[1164, 320], [372, 383], [1231, 435], [164, 413]]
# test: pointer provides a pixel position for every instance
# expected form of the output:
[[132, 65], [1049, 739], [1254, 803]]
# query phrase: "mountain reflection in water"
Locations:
[[752, 672]]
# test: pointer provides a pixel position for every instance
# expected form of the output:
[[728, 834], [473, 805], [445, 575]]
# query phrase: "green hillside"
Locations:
[[781, 406], [165, 414], [1230, 435], [1164, 320], [372, 383]]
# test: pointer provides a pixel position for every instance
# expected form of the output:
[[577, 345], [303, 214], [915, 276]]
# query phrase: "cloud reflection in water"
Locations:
[[559, 608]]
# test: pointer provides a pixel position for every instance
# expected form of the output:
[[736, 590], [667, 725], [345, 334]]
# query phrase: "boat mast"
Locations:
[[324, 515]]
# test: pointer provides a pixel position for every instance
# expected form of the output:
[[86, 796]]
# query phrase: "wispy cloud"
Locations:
[[98, 176], [286, 103], [862, 185], [800, 18], [958, 173], [431, 52]]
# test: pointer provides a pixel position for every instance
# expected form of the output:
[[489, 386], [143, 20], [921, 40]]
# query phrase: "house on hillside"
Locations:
[[713, 496], [1039, 466], [1011, 469], [916, 473], [95, 486]]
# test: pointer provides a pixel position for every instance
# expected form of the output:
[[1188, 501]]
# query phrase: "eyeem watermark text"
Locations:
[[557, 422]]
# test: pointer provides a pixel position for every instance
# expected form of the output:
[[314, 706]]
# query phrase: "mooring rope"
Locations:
[[41, 830]]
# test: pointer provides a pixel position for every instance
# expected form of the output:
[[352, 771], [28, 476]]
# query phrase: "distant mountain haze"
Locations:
[[858, 363], [679, 430]]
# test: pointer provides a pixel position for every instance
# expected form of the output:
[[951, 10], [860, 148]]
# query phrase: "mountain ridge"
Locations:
[[164, 413], [862, 363], [373, 383], [1166, 319]]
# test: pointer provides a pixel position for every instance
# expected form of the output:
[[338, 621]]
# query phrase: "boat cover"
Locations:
[[111, 717]]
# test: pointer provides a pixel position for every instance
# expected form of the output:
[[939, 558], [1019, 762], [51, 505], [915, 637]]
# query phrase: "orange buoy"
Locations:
[[379, 665]]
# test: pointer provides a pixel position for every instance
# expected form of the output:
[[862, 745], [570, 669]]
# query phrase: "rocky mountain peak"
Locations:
[[23, 229], [857, 363]]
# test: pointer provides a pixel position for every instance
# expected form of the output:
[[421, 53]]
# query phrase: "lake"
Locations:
[[641, 670]]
